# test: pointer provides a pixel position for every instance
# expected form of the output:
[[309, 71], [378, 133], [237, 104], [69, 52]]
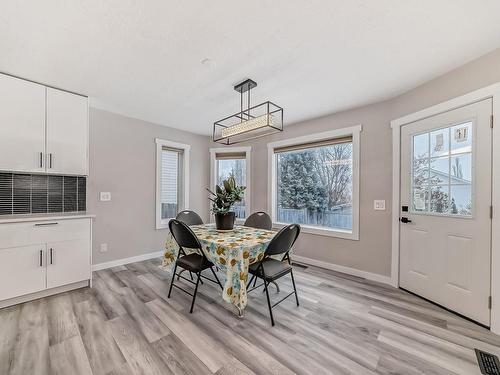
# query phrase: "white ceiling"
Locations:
[[143, 58]]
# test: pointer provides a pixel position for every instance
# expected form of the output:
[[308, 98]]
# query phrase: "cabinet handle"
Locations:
[[41, 258], [45, 224], [41, 159], [50, 160], [51, 257]]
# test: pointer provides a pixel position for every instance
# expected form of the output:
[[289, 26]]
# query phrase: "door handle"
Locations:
[[51, 257], [41, 258], [405, 220]]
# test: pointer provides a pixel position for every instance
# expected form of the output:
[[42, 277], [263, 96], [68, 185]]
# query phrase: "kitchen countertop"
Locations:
[[4, 219]]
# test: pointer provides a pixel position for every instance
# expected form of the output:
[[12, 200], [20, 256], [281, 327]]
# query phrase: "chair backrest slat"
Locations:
[[259, 220], [284, 240], [183, 235], [189, 217]]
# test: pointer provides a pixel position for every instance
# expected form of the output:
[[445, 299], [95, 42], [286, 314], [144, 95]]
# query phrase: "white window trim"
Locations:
[[248, 171], [160, 143], [353, 131]]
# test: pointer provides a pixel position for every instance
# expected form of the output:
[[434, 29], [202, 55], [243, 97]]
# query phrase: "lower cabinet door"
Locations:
[[22, 270], [68, 262]]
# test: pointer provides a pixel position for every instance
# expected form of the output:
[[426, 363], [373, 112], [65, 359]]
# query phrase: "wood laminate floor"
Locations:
[[345, 325]]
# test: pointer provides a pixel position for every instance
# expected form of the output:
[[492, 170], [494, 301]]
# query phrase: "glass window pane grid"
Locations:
[[450, 155]]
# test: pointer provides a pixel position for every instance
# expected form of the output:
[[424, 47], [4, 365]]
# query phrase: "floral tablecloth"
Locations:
[[232, 251]]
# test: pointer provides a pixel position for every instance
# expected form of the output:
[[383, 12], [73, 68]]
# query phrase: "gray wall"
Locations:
[[372, 252], [123, 162]]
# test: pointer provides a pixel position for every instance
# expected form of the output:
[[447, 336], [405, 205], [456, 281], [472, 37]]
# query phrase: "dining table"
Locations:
[[231, 251]]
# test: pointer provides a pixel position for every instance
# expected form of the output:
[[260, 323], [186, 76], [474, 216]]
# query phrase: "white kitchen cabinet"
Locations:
[[22, 125], [67, 133], [68, 262], [22, 270], [42, 257]]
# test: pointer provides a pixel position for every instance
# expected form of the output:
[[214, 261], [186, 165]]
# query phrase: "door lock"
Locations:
[[405, 220]]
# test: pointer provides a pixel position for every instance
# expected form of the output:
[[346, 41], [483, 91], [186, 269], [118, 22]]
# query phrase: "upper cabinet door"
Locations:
[[22, 125], [67, 133]]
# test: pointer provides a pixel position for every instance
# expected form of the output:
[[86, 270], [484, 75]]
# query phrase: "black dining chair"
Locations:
[[194, 262], [189, 217], [270, 270], [259, 220]]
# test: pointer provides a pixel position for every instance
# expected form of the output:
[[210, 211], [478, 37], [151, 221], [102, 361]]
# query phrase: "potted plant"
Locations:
[[223, 198]]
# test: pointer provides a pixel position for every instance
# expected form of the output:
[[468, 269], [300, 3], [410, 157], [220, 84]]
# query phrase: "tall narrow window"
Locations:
[[233, 162], [171, 181]]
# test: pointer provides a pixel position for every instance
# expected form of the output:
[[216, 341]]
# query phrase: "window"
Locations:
[[442, 171], [172, 180], [233, 161], [315, 182]]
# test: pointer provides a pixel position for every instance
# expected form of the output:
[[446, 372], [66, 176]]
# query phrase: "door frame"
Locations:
[[489, 92]]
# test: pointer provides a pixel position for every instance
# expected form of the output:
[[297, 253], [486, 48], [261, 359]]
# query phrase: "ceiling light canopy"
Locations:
[[250, 123]]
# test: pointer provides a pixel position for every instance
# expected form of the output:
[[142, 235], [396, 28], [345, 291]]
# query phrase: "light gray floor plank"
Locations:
[[102, 350], [345, 325], [69, 357], [31, 351], [140, 356]]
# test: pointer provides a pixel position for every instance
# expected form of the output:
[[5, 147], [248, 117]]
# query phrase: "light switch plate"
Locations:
[[103, 248], [379, 205], [104, 196]]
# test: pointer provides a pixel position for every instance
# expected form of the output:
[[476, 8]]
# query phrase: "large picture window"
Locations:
[[315, 183], [171, 181], [234, 162]]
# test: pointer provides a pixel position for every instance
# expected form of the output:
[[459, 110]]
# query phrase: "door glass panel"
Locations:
[[439, 199], [421, 199], [440, 142], [442, 171], [421, 172], [461, 169], [421, 146], [461, 138], [461, 203]]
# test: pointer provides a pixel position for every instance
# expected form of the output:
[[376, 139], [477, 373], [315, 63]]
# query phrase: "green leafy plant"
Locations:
[[226, 195]]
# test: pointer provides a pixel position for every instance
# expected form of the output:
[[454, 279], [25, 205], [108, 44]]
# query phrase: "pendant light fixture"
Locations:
[[250, 123]]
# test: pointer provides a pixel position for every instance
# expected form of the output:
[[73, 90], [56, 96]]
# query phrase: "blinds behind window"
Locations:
[[171, 160], [322, 143], [230, 155]]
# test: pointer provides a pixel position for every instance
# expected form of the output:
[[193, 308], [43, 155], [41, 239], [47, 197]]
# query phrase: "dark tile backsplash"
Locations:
[[31, 193]]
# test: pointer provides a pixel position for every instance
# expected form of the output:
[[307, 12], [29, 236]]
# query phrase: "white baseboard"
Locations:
[[348, 270], [121, 262]]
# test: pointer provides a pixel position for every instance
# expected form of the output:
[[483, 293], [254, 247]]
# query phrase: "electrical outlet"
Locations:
[[104, 196], [379, 205], [103, 248]]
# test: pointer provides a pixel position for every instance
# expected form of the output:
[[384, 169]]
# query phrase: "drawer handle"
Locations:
[[41, 258], [45, 224]]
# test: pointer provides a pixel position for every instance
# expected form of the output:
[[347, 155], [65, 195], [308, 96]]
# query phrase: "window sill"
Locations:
[[338, 233]]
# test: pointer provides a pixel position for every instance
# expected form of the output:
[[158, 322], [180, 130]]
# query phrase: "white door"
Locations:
[[22, 125], [67, 132], [68, 262], [445, 229], [22, 270]]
